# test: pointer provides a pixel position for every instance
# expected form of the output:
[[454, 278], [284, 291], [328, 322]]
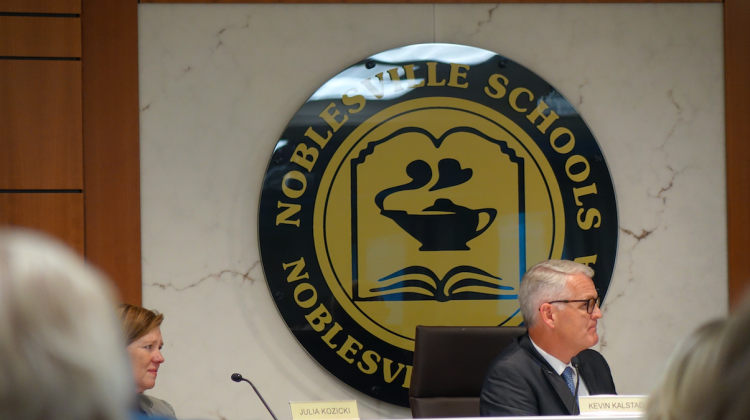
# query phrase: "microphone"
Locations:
[[574, 361], [237, 378]]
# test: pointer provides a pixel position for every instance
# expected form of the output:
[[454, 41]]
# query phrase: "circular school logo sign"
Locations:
[[415, 188]]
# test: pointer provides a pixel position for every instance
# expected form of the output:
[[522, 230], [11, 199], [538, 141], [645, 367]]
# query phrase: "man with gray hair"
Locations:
[[543, 371]]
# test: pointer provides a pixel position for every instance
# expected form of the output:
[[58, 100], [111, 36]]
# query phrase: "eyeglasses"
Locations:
[[590, 303]]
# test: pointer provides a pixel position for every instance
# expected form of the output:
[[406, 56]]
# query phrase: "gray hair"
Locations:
[[62, 354], [707, 376], [687, 376], [727, 399], [546, 282]]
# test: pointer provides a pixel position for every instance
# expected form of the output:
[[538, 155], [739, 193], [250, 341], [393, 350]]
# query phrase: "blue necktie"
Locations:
[[568, 376]]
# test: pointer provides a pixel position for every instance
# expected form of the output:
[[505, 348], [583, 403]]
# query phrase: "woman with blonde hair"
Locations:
[[144, 343], [61, 355]]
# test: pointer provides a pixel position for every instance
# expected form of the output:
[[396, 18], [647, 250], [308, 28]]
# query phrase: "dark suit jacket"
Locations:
[[521, 383]]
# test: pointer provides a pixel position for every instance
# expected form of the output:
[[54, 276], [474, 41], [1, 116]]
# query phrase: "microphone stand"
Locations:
[[237, 378], [576, 408]]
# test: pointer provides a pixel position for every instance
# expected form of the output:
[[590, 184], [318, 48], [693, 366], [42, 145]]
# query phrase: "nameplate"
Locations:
[[325, 410], [598, 404]]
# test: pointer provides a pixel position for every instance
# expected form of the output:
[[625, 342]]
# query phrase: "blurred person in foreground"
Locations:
[[730, 398], [144, 343], [538, 373], [61, 355], [720, 391], [691, 364]]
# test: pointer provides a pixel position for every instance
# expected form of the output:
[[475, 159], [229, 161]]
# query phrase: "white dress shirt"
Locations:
[[559, 367]]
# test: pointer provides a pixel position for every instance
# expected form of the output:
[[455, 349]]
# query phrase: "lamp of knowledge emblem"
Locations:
[[415, 188]]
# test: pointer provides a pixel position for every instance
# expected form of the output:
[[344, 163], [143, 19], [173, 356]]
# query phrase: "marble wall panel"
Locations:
[[648, 79], [218, 83]]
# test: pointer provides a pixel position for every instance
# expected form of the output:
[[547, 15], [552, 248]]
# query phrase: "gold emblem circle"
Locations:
[[357, 247]]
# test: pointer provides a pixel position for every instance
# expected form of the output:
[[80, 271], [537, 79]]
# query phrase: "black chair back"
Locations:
[[449, 368]]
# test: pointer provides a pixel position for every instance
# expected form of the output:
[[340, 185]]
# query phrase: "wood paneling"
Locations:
[[59, 214], [33, 36], [40, 125], [41, 6], [737, 84], [111, 170]]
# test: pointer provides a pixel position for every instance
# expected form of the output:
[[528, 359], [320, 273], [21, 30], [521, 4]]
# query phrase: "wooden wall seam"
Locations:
[[111, 148], [57, 214], [737, 93], [41, 6], [35, 36]]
